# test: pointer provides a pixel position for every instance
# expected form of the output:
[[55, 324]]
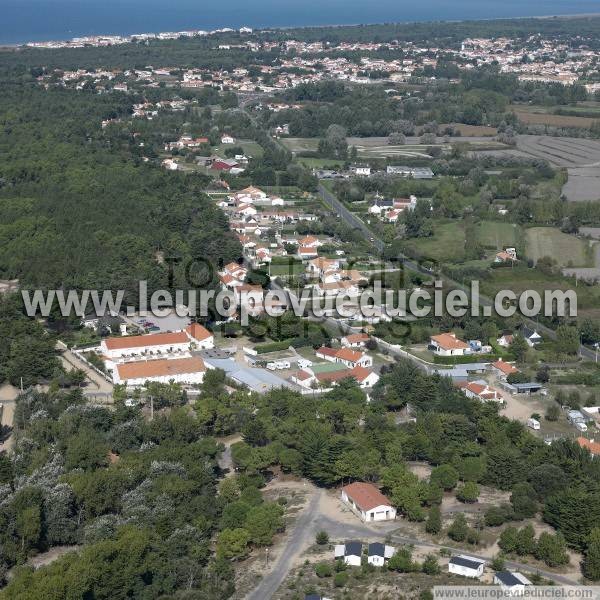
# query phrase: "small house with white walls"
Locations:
[[511, 582], [379, 554], [366, 501], [467, 566], [350, 553]]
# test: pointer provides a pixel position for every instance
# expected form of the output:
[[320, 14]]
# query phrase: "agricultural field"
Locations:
[[446, 245], [566, 249], [471, 130], [493, 234], [541, 115], [251, 148], [301, 144]]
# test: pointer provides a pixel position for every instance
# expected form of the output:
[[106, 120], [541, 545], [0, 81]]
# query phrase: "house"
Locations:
[[318, 266], [378, 554], [591, 445], [326, 353], [353, 358], [414, 172], [350, 553], [306, 252], [355, 340], [227, 139], [513, 583], [360, 170], [506, 340], [503, 369], [447, 344], [116, 348], [311, 378], [310, 241], [200, 337], [532, 337], [508, 255], [380, 205], [188, 370], [368, 502], [467, 566], [479, 390]]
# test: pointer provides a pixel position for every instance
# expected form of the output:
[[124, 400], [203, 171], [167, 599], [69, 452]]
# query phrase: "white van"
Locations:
[[533, 424], [581, 426], [271, 366]]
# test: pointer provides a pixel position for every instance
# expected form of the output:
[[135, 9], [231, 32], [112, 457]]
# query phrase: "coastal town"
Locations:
[[368, 367]]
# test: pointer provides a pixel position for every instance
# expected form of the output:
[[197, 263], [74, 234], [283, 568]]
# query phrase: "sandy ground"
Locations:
[[8, 395]]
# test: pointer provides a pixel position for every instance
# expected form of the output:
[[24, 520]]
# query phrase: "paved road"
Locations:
[[356, 223], [99, 385], [302, 536]]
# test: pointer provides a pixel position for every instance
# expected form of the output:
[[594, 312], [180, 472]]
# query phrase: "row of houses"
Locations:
[[448, 344]]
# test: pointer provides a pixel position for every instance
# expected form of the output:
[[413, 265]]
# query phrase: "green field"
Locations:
[[286, 268], [566, 249], [492, 234], [251, 148], [446, 245]]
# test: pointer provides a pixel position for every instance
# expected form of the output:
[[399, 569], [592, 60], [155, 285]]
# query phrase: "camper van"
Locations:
[[581, 426], [533, 424]]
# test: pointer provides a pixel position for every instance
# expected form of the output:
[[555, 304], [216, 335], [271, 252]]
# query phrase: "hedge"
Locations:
[[273, 346], [464, 360]]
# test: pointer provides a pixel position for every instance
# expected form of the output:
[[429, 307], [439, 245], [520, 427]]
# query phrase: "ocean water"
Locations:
[[35, 20]]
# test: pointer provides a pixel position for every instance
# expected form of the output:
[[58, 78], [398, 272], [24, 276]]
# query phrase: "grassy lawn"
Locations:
[[566, 249], [289, 268], [321, 163], [251, 148], [301, 144], [446, 245], [492, 234]]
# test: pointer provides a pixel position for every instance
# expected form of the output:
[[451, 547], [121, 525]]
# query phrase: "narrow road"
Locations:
[[225, 461], [71, 361], [302, 536]]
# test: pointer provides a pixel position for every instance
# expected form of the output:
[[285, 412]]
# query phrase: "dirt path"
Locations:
[[71, 361], [299, 540], [8, 396]]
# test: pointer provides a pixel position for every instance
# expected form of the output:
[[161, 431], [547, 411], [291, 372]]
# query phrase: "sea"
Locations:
[[22, 21]]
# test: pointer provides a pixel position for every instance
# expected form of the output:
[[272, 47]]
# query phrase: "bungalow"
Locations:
[[350, 553], [355, 340], [310, 241], [467, 566], [245, 210], [309, 378], [353, 358], [326, 353], [380, 205], [479, 390], [508, 255], [512, 582], [188, 370], [532, 337], [505, 340], [391, 216], [368, 502], [227, 139], [591, 445], [335, 288], [306, 252], [379, 553], [318, 266], [447, 344], [503, 369]]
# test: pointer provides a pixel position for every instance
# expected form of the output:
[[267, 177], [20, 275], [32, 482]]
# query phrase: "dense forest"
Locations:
[[77, 210]]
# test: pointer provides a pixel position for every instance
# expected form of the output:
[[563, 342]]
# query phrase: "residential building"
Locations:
[[378, 554], [480, 390], [350, 553], [467, 566], [447, 344], [511, 582], [503, 369], [360, 170], [505, 340], [532, 337], [591, 445], [201, 338], [368, 502], [355, 340]]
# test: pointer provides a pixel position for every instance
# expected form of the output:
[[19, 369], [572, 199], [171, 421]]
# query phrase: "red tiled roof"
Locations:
[[365, 495], [349, 355], [160, 368], [449, 341], [505, 367], [198, 332], [325, 351], [593, 447], [153, 339]]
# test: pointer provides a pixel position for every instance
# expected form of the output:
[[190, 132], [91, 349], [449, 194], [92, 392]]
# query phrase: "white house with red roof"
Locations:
[[188, 370], [480, 390], [355, 340], [154, 344], [366, 501], [346, 356], [447, 344], [200, 337], [503, 369]]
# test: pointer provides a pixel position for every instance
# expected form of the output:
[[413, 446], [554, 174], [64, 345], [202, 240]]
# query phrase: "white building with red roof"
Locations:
[[503, 369], [155, 344], [188, 370], [447, 344], [366, 501], [480, 390]]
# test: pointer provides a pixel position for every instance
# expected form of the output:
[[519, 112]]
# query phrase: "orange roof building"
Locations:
[[181, 370], [591, 445], [368, 502], [447, 344]]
